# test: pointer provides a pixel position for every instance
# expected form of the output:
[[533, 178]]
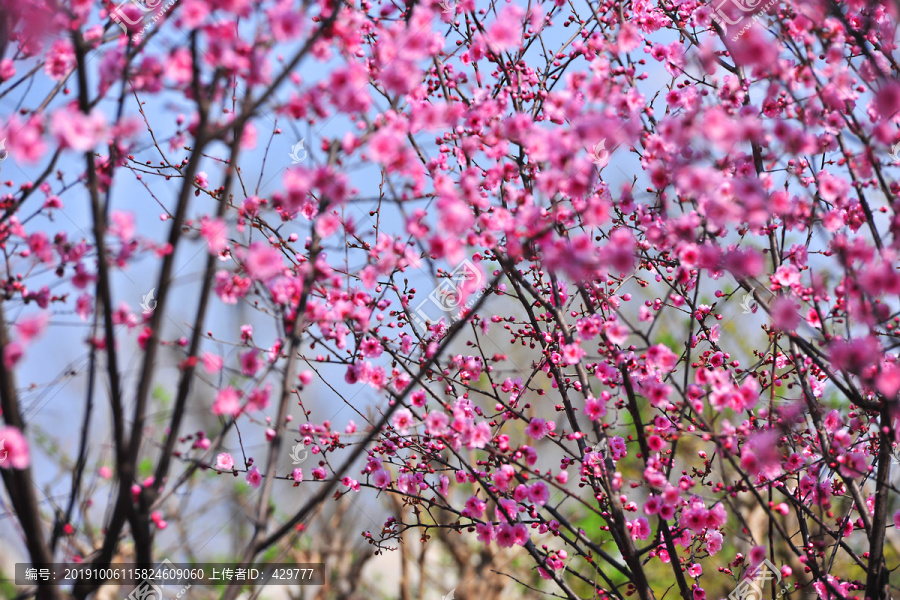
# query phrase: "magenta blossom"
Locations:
[[14, 449]]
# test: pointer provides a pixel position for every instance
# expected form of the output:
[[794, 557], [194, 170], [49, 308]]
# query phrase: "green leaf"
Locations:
[[145, 469], [161, 395]]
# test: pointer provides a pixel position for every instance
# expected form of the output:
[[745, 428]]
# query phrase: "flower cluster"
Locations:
[[518, 249]]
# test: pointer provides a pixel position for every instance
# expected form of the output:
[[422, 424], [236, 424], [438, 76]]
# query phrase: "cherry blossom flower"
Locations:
[[254, 478], [640, 529], [76, 130], [60, 59], [227, 403], [403, 420], [713, 542], [537, 429], [539, 493], [212, 363], [595, 409], [486, 532], [506, 536], [436, 423], [14, 449], [250, 363], [263, 262], [12, 354], [457, 169], [757, 555], [474, 508], [505, 31], [215, 233], [381, 479]]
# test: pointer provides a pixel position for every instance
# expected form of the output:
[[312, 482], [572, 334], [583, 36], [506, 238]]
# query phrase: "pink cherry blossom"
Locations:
[[254, 478], [31, 327], [60, 59], [215, 233], [474, 508], [212, 363], [227, 403], [381, 479], [537, 429], [640, 529], [436, 423], [250, 363], [713, 542], [76, 130], [14, 450], [403, 420], [12, 354], [263, 262], [595, 409], [539, 493], [638, 262]]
